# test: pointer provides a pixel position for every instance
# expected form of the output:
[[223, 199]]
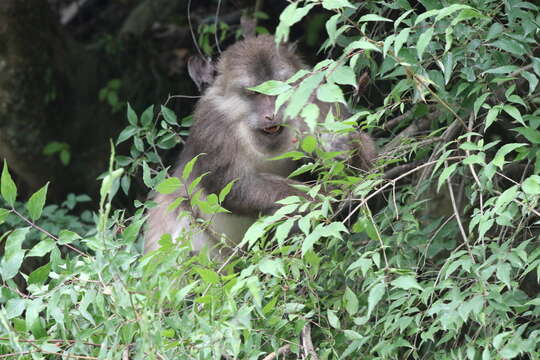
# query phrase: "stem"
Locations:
[[39, 228]]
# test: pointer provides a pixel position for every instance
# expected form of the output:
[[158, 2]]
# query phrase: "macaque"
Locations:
[[238, 132]]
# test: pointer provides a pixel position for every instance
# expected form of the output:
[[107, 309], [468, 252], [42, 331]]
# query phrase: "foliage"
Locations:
[[61, 148], [109, 94], [443, 264]]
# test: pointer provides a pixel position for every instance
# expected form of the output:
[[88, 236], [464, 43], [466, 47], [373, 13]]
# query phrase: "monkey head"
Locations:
[[247, 64]]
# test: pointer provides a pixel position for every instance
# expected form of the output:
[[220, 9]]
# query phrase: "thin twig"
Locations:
[[449, 134], [281, 351], [520, 70], [53, 341], [39, 228], [185, 96], [415, 128], [307, 343], [216, 39], [191, 29], [458, 219], [398, 170], [471, 167], [390, 124], [17, 354], [391, 183]]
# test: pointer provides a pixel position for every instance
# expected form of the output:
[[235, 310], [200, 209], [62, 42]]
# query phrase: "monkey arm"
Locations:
[[359, 144], [254, 194]]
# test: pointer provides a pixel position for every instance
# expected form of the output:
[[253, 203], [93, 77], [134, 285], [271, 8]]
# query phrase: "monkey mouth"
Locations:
[[273, 130]]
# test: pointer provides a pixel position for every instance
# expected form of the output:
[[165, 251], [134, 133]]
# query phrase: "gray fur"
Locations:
[[229, 128]]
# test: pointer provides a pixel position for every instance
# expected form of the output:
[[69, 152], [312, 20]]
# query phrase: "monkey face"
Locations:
[[247, 64], [269, 131]]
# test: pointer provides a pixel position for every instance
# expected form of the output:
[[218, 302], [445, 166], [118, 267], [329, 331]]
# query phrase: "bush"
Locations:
[[443, 264]]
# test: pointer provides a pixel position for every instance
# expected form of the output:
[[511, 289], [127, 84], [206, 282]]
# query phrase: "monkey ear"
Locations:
[[202, 71], [248, 25]]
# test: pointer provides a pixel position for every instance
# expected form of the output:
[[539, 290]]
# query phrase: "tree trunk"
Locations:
[[48, 92]]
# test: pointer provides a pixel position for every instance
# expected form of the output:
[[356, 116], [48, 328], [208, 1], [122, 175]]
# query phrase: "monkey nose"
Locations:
[[269, 117]]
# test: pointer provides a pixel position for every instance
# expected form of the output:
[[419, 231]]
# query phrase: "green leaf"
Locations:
[[506, 69], [169, 116], [352, 335], [36, 202], [361, 44], [532, 79], [271, 87], [498, 160], [147, 116], [406, 282], [531, 185], [65, 157], [13, 253], [42, 248], [33, 318], [503, 273], [207, 275], [300, 97], [330, 93], [373, 17], [40, 275], [362, 263], [15, 308], [130, 233], [146, 175], [290, 16], [127, 133], [336, 4], [387, 43], [375, 295], [351, 301], [131, 115], [494, 31], [309, 144], [530, 134], [283, 230], [272, 267], [310, 240], [401, 18], [511, 46], [401, 39], [479, 102], [331, 27], [169, 186], [536, 65], [492, 116], [195, 183], [333, 320], [343, 75], [225, 191], [446, 173], [450, 10], [254, 286], [188, 168], [510, 351], [67, 237], [513, 112], [183, 292], [423, 41], [425, 15], [7, 186]]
